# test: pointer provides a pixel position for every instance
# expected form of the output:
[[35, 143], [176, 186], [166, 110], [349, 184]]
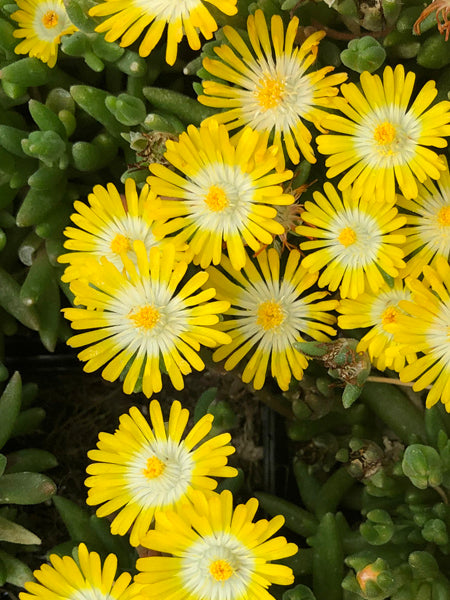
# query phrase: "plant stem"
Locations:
[[378, 379]]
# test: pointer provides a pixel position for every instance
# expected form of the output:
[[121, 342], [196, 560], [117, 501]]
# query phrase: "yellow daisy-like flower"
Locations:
[[42, 23], [217, 553], [141, 470], [427, 224], [354, 240], [127, 19], [377, 311], [274, 90], [140, 316], [425, 329], [108, 227], [65, 579], [269, 311], [383, 139], [225, 196]]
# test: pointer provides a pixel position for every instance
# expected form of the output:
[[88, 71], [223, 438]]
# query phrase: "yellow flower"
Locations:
[[217, 553], [42, 23], [354, 240], [226, 195], [141, 470], [425, 329], [427, 224], [274, 89], [383, 139], [141, 316], [377, 310], [127, 19], [269, 311], [65, 579], [108, 227]]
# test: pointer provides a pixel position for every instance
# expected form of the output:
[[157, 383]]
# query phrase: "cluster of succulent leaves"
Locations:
[[21, 480], [373, 469]]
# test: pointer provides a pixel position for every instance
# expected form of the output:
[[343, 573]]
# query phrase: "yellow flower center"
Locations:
[[444, 216], [146, 317], [270, 92], [347, 237], [50, 19], [154, 468], [384, 133], [389, 315], [120, 244], [221, 570], [270, 315], [216, 199]]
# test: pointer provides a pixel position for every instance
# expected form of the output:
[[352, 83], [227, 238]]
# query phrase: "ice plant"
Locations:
[[427, 224], [142, 315], [382, 138], [442, 9], [217, 553], [270, 312], [354, 241], [274, 89], [145, 468], [108, 227], [127, 20], [425, 330], [226, 194], [41, 23], [377, 310], [86, 578]]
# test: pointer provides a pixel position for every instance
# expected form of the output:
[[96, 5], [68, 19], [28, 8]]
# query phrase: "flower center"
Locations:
[[270, 315], [221, 570], [444, 216], [146, 317], [120, 244], [347, 237], [216, 199], [154, 468], [50, 19], [384, 133], [389, 315], [270, 92]]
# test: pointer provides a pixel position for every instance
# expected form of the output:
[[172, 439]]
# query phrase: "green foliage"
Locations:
[[21, 482]]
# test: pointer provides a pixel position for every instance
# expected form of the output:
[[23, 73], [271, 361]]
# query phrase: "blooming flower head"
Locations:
[[225, 196], [427, 224], [425, 330], [108, 227], [141, 470], [354, 240], [378, 311], [127, 20], [274, 90], [383, 139], [42, 23], [65, 579], [217, 553], [269, 313], [140, 316]]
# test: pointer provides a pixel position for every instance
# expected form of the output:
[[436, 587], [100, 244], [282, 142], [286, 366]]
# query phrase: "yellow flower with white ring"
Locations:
[[143, 315], [226, 193], [352, 240], [41, 23], [383, 138], [274, 88], [216, 552], [269, 313], [144, 468]]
